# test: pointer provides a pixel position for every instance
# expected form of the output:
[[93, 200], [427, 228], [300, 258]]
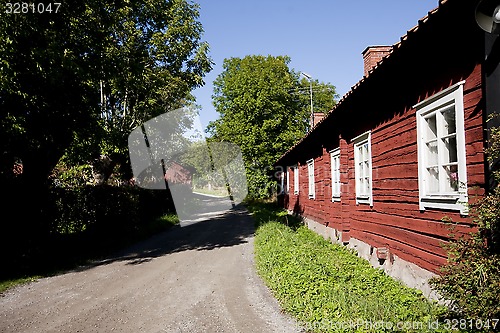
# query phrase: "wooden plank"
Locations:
[[426, 260]]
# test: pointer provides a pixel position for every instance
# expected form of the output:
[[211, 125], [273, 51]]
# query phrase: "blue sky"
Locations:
[[323, 38]]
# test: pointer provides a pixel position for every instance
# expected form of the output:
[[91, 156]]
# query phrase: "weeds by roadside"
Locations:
[[327, 287]]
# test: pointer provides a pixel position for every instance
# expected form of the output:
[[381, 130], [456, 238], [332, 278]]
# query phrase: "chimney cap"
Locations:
[[385, 48]]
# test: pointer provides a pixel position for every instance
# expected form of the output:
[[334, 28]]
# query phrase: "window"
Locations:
[[287, 180], [363, 168], [282, 182], [296, 180], [335, 165], [441, 151], [310, 176]]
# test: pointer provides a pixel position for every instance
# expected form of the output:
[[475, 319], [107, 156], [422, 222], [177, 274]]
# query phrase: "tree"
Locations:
[[78, 80], [264, 108], [153, 58]]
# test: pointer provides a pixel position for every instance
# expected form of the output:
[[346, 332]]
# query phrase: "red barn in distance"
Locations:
[[402, 151], [179, 174]]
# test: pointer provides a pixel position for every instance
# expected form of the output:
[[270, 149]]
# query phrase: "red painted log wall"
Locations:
[[395, 220]]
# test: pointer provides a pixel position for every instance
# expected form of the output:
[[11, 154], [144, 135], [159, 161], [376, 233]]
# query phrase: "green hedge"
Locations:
[[75, 224]]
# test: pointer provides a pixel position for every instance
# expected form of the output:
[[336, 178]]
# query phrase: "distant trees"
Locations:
[[74, 83], [264, 108]]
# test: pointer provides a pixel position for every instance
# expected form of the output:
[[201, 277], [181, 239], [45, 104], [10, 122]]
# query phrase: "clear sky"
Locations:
[[323, 38]]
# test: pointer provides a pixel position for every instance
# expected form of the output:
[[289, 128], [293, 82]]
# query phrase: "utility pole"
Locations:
[[309, 77]]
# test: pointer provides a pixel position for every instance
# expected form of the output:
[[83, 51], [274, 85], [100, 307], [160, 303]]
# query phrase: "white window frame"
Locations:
[[282, 182], [287, 190], [335, 170], [365, 197], [451, 200], [310, 179], [296, 184]]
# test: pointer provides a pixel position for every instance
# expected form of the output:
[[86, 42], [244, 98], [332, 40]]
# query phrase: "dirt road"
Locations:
[[198, 277]]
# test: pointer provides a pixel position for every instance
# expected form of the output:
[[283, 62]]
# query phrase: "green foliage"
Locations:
[[157, 47], [160, 224], [65, 176], [324, 285], [264, 109], [85, 222], [471, 277], [9, 283], [78, 81]]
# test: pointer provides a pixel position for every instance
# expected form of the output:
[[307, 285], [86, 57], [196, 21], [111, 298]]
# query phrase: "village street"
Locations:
[[198, 277]]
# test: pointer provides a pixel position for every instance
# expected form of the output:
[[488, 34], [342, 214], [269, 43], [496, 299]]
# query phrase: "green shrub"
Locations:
[[83, 222]]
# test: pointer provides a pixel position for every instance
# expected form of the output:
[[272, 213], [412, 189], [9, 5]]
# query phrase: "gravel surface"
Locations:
[[197, 277]]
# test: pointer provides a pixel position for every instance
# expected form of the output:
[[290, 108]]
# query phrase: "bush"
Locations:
[[471, 278], [105, 208], [82, 222]]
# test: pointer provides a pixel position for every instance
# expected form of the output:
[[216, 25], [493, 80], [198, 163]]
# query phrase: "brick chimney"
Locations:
[[318, 116], [372, 55]]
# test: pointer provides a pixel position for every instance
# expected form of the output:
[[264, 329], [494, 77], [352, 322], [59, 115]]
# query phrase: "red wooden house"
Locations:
[[402, 151]]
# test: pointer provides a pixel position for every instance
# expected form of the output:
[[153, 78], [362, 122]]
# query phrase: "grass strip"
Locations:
[[327, 287]]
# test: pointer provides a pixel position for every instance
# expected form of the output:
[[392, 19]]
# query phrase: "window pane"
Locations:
[[335, 175], [366, 188], [449, 120], [432, 153], [452, 181], [451, 149], [366, 170], [431, 127], [433, 180]]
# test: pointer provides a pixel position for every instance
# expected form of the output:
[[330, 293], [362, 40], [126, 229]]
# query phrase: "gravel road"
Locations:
[[197, 277]]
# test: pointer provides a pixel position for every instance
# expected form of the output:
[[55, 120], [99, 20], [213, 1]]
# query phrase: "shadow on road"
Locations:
[[221, 229]]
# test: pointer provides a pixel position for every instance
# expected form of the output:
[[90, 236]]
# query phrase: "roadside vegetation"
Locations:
[[327, 287]]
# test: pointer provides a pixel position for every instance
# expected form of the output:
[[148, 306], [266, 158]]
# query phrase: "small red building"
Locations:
[[402, 151], [176, 173]]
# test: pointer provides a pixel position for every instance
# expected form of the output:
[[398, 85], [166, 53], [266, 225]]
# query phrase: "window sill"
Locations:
[[336, 199], [364, 200], [445, 202]]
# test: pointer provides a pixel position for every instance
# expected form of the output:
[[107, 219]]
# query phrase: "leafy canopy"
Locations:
[[264, 108], [78, 81]]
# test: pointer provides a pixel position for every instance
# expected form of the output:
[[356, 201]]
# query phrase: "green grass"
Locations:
[[162, 223], [327, 287], [10, 283], [84, 257]]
